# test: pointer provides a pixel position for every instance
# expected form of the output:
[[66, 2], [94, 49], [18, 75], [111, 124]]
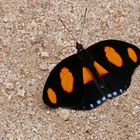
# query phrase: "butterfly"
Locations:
[[88, 78]]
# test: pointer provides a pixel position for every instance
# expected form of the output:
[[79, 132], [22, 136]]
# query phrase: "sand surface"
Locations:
[[33, 41]]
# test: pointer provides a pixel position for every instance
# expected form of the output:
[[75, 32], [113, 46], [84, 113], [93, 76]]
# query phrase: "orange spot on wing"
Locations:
[[67, 80], [52, 95], [101, 70], [113, 56], [87, 75], [132, 55]]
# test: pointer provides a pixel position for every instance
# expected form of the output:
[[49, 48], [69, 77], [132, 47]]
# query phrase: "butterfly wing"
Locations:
[[115, 62], [73, 82], [64, 84]]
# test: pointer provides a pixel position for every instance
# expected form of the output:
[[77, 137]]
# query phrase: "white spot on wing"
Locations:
[[121, 91], [91, 105], [115, 93], [98, 102], [109, 95], [103, 98]]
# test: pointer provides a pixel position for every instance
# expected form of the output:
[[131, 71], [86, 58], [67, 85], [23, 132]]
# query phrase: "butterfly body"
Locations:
[[93, 75]]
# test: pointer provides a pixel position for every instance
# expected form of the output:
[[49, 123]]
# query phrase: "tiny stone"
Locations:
[[9, 86], [1, 80], [31, 82], [44, 54], [9, 97], [33, 39], [5, 20], [21, 92], [73, 131], [39, 77], [73, 111], [21, 49], [51, 66], [63, 113], [34, 130], [116, 103], [48, 112], [136, 109], [43, 67]]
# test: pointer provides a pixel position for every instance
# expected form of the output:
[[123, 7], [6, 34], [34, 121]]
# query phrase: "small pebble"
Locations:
[[39, 77], [44, 54], [116, 103], [43, 67], [1, 80], [9, 86], [136, 109], [48, 112], [5, 20], [21, 49], [64, 114], [30, 82], [47, 66], [21, 92], [9, 97], [51, 66]]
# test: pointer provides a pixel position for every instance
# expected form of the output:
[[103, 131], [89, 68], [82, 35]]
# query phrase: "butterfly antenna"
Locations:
[[68, 30], [81, 35]]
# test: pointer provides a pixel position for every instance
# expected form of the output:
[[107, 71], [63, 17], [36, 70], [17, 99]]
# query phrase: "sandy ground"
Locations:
[[32, 41]]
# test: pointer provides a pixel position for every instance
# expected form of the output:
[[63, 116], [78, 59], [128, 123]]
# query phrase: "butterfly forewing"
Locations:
[[116, 61], [64, 84]]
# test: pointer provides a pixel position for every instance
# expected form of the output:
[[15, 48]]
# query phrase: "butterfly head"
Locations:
[[79, 47]]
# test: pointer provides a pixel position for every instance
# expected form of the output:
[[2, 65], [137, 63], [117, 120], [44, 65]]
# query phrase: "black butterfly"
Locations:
[[91, 76]]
